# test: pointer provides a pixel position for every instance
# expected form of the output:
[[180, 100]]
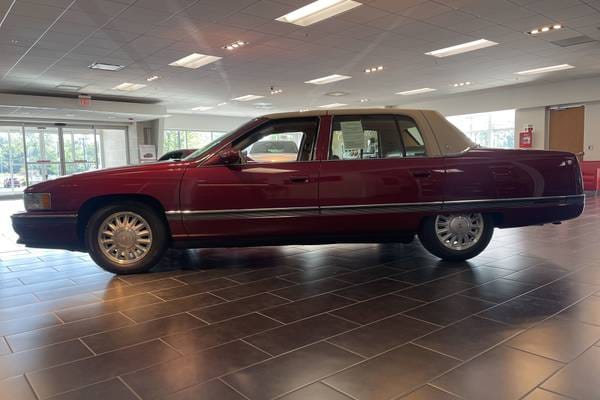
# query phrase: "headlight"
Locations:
[[38, 201]]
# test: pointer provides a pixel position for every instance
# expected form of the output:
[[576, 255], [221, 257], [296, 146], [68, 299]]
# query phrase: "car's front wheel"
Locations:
[[126, 238], [457, 237]]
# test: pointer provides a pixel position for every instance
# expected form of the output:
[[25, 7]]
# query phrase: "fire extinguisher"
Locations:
[[526, 138]]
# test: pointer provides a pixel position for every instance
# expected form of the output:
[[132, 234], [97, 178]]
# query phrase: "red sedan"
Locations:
[[380, 175]]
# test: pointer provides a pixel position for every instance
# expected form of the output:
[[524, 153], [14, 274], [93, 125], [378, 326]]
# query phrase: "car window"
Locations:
[[375, 137], [285, 140]]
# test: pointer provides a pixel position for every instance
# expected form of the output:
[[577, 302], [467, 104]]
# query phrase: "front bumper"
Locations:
[[47, 230]]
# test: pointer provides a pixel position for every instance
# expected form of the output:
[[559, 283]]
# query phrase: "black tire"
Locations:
[[435, 246], [157, 228]]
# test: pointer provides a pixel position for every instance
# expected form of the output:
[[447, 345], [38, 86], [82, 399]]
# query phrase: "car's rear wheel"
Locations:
[[126, 238], [457, 237]]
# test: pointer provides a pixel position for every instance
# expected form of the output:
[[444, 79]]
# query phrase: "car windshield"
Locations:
[[202, 150]]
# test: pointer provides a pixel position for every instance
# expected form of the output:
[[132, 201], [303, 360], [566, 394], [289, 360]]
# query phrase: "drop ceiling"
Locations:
[[48, 43]]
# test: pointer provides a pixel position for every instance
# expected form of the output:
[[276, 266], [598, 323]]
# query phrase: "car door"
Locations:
[[274, 194], [378, 177]]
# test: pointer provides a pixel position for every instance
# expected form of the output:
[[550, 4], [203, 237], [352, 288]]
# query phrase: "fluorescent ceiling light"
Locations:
[[337, 94], [129, 87], [248, 97], [152, 78], [545, 69], [106, 67], [202, 108], [221, 104], [195, 60], [416, 91], [328, 79], [318, 11], [333, 105], [69, 88], [462, 48]]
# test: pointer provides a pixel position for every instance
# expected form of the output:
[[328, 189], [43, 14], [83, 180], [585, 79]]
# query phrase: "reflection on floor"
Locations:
[[309, 322]]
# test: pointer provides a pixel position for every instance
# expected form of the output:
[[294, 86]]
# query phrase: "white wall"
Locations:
[[210, 123], [536, 117], [591, 138]]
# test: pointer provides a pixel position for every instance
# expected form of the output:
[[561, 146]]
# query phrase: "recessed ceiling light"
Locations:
[[152, 78], [276, 91], [337, 94], [374, 69], [248, 97], [318, 11], [333, 105], [545, 69], [328, 79], [129, 87], [195, 60], [68, 88], [460, 84], [364, 100], [69, 115], [263, 105], [202, 108], [462, 48], [416, 91], [222, 104], [106, 67], [545, 29], [234, 45]]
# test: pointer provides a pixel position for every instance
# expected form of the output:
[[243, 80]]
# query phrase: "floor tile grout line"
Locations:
[[223, 381], [337, 390], [87, 347], [435, 351], [339, 346], [243, 340], [129, 387]]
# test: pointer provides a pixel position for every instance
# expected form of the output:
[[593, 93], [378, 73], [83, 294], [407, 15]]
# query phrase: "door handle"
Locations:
[[299, 179], [421, 173]]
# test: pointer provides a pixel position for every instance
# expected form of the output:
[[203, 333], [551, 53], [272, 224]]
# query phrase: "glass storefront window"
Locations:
[[12, 160], [188, 139], [491, 129]]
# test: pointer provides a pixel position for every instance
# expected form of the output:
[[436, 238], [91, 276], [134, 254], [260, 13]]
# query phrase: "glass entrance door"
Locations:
[[80, 149], [43, 153], [12, 160]]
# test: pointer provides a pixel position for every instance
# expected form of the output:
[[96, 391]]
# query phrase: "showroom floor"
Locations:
[[315, 322]]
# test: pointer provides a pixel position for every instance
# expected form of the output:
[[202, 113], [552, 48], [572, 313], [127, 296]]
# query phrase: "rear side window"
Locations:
[[375, 137]]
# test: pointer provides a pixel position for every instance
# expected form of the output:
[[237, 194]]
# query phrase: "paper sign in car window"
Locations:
[[353, 134]]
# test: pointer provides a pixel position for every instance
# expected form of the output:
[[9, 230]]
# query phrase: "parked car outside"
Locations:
[[176, 154], [379, 175], [12, 182], [273, 151]]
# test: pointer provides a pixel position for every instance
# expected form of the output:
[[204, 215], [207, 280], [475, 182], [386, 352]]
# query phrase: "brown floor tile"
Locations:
[[392, 374], [220, 333], [481, 275], [516, 262], [261, 273], [172, 307], [383, 335], [495, 375], [4, 349], [236, 308], [565, 291], [587, 311], [253, 288], [499, 290], [61, 333], [130, 290], [16, 388], [313, 274], [26, 361], [449, 310], [435, 290], [372, 289], [315, 391], [541, 394], [160, 380], [366, 275], [38, 287], [558, 339], [87, 288], [16, 301], [62, 378], [129, 335], [188, 290], [287, 313], [46, 306], [454, 340], [429, 274], [113, 389], [106, 307], [589, 275], [15, 326], [377, 308], [579, 379], [309, 289], [215, 389], [290, 371], [523, 311], [538, 275], [429, 393], [298, 334]]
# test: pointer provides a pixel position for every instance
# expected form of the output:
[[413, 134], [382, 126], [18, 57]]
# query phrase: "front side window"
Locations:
[[280, 141], [375, 137]]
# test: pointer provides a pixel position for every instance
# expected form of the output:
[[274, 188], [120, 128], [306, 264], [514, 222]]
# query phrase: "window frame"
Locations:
[[313, 151], [395, 117]]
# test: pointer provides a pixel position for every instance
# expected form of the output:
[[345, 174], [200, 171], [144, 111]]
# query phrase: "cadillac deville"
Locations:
[[380, 175]]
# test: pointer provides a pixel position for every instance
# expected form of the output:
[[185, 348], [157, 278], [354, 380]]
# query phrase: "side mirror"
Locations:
[[230, 157]]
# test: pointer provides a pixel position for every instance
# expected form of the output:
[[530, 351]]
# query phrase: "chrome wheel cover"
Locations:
[[125, 237], [459, 231]]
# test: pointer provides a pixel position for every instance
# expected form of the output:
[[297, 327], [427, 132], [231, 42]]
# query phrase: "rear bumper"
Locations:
[[47, 230]]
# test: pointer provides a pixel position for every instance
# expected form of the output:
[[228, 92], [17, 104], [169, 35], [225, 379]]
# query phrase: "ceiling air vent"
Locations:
[[574, 41]]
